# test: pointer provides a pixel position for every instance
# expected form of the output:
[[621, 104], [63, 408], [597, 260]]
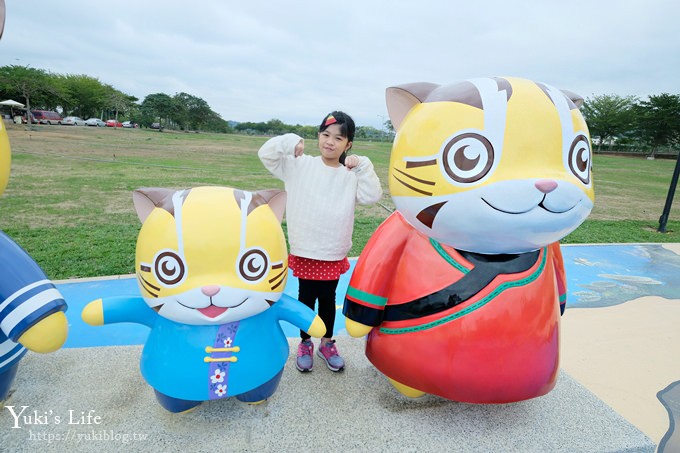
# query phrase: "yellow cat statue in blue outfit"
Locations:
[[211, 264], [31, 307]]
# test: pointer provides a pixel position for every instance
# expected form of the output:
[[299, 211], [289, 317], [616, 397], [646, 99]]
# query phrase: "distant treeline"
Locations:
[[277, 127], [614, 121], [88, 97], [628, 124]]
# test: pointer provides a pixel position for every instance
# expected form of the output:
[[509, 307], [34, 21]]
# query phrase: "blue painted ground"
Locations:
[[597, 276]]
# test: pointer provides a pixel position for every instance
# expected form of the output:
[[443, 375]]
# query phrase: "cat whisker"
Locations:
[[413, 178], [279, 277], [146, 285], [415, 189], [276, 277]]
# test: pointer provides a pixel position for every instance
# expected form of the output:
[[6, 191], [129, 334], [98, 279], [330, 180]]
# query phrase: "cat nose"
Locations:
[[210, 290], [546, 185]]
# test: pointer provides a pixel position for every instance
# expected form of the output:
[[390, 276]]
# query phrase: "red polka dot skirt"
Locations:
[[310, 269]]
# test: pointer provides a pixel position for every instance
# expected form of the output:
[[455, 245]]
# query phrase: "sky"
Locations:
[[297, 60]]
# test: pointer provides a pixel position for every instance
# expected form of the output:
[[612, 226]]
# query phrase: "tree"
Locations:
[[157, 106], [608, 117], [369, 133], [85, 96], [29, 84], [275, 127], [389, 127], [191, 111], [658, 120], [305, 131], [117, 101], [217, 124], [250, 127]]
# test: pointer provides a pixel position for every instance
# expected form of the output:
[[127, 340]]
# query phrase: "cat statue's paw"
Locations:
[[318, 328], [48, 335], [93, 313], [356, 329]]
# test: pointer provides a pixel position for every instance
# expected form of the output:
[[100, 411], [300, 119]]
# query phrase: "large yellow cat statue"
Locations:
[[31, 307], [211, 265], [461, 289]]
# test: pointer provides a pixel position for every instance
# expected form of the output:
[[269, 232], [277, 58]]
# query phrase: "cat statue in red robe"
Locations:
[[461, 289]]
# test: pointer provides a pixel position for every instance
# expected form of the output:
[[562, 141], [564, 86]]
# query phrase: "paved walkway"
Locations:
[[618, 390], [621, 340]]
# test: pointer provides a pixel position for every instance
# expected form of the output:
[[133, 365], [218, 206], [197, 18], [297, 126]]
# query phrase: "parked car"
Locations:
[[95, 122], [46, 117], [114, 123], [155, 125], [130, 124], [73, 121]]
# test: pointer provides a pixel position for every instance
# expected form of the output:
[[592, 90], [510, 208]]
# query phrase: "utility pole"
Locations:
[[669, 198]]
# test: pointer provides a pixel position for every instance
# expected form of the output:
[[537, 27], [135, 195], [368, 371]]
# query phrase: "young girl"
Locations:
[[322, 193]]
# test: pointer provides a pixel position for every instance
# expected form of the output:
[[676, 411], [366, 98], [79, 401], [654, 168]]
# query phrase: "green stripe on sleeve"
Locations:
[[367, 297]]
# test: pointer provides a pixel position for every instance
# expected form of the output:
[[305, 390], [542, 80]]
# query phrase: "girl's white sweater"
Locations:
[[321, 199]]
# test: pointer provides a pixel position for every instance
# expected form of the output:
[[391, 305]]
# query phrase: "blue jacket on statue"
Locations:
[[26, 298]]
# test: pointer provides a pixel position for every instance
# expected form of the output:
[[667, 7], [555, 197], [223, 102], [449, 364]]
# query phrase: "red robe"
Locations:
[[467, 327]]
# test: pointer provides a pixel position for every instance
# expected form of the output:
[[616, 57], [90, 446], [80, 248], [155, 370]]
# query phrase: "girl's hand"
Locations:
[[351, 161], [300, 148]]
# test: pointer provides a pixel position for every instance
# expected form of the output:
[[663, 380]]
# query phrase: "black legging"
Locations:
[[324, 291]]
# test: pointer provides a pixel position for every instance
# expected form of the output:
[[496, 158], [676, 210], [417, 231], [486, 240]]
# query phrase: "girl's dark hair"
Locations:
[[345, 121], [347, 127]]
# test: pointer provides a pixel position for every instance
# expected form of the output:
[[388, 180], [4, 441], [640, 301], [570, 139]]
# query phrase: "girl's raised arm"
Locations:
[[369, 189], [278, 153]]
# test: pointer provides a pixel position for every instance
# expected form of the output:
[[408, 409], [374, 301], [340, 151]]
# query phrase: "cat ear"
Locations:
[[402, 98], [575, 98], [148, 198], [276, 199]]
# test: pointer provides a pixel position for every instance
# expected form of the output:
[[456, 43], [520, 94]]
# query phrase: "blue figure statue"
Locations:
[[31, 308], [211, 265]]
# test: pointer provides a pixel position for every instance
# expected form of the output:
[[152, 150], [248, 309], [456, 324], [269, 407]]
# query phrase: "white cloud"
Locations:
[[295, 61]]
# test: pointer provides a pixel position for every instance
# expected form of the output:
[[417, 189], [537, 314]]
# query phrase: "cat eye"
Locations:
[[169, 268], [579, 158], [468, 157], [253, 265]]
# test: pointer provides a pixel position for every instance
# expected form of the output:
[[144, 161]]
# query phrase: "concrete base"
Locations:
[[102, 404]]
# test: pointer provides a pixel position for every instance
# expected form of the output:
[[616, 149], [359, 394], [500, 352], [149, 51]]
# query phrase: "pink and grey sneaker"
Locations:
[[304, 360], [329, 353]]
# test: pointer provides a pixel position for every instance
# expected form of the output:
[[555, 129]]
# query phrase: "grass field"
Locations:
[[69, 203]]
